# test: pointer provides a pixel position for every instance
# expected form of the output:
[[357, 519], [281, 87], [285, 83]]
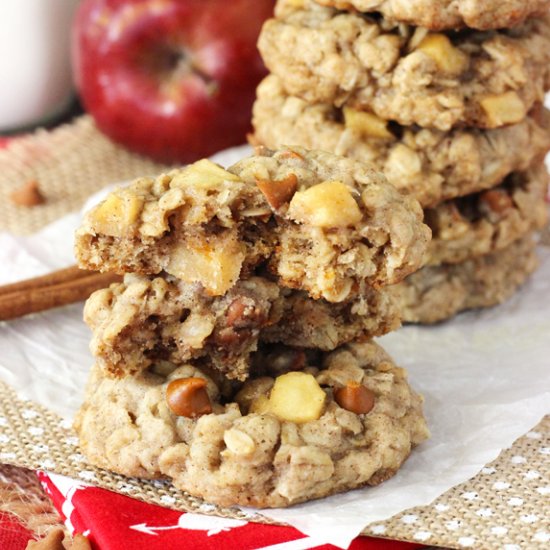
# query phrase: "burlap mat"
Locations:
[[69, 164], [505, 504]]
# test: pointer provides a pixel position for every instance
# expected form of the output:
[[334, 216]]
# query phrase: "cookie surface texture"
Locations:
[[236, 456], [408, 74], [436, 293], [432, 165], [486, 222], [449, 14]]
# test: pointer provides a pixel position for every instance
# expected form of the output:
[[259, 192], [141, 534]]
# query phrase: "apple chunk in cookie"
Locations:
[[285, 437], [321, 223]]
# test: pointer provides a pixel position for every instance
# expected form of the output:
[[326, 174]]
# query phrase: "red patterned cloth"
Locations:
[[13, 535], [116, 522]]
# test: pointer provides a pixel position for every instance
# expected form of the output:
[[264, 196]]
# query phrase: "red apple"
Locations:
[[172, 79]]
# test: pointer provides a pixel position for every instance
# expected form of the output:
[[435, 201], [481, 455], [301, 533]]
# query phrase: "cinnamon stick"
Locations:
[[39, 297], [54, 278]]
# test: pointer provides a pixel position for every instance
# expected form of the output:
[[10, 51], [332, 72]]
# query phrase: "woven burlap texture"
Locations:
[[505, 504], [69, 164]]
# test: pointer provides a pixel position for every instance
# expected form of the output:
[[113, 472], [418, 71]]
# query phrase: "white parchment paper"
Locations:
[[485, 377]]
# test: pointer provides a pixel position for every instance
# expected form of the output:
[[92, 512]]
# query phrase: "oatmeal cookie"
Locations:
[[348, 421], [485, 222], [448, 14], [146, 320], [432, 165], [436, 293], [323, 223], [407, 74]]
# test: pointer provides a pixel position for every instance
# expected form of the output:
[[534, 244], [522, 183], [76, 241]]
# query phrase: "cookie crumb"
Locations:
[[28, 195]]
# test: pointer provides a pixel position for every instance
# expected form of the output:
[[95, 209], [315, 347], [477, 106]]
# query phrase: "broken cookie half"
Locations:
[[318, 222]]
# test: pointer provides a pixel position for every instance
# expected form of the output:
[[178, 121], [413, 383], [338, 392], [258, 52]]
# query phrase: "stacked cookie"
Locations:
[[235, 356], [450, 114]]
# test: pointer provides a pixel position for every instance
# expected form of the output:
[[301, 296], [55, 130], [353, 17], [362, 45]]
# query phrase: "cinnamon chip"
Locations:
[[355, 397], [188, 397], [278, 192], [28, 195]]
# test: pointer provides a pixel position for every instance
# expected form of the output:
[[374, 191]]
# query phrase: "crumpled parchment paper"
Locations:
[[484, 375]]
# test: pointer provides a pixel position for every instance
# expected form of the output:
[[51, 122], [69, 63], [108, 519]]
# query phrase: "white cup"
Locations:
[[35, 65]]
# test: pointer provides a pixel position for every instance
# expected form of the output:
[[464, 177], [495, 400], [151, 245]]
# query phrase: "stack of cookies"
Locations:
[[235, 356], [445, 98]]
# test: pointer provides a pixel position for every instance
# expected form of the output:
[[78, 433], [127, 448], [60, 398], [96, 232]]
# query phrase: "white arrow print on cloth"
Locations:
[[215, 525], [196, 522]]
